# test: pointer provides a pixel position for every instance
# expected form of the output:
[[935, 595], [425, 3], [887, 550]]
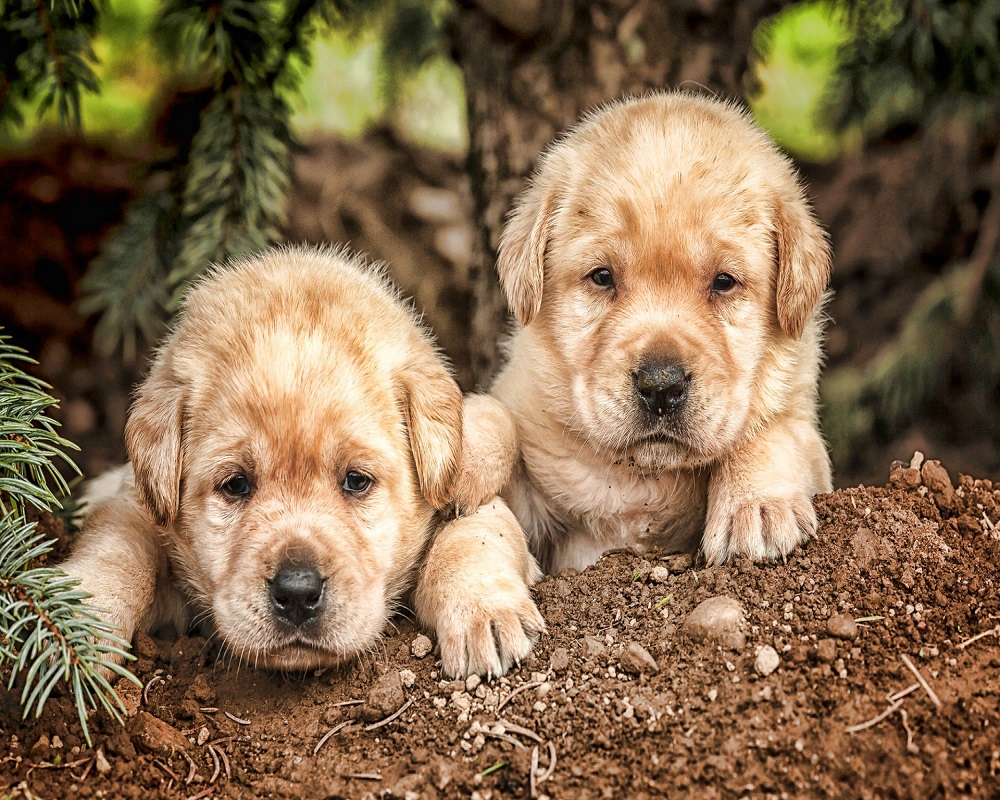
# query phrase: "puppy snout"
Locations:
[[662, 387], [297, 594]]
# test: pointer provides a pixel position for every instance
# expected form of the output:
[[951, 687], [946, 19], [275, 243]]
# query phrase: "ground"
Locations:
[[625, 695]]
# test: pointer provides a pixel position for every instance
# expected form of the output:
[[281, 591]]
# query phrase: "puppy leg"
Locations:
[[760, 496], [489, 452], [474, 593], [121, 563]]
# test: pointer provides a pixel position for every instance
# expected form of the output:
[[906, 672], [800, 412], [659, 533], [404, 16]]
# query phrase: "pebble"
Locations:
[[421, 646], [826, 650], [594, 648], [937, 479], [718, 619], [472, 682], [767, 660], [385, 697], [659, 574], [407, 677], [559, 660], [154, 735], [101, 762], [637, 660], [842, 626]]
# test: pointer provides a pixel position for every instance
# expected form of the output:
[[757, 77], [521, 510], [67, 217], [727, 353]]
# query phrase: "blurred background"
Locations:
[[142, 140]]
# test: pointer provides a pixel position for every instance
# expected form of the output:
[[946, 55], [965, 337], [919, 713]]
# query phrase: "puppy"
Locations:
[[667, 275], [289, 450]]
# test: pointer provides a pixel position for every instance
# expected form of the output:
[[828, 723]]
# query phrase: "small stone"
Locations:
[[42, 749], [203, 735], [937, 479], [842, 626], [472, 682], [659, 574], [826, 650], [153, 735], [421, 646], [637, 660], [593, 648], [767, 660], [865, 547], [718, 619], [559, 660], [407, 677], [385, 697], [539, 706], [101, 762], [905, 477], [679, 562], [543, 689]]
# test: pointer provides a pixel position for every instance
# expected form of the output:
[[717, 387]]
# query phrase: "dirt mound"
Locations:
[[626, 695]]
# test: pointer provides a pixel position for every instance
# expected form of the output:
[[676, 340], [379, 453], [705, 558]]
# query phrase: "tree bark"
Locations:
[[532, 67]]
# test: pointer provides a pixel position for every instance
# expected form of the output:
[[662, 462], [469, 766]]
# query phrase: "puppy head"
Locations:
[[293, 439], [666, 264]]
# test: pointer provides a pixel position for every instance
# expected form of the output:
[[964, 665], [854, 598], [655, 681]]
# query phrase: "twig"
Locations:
[[926, 686], [522, 731], [343, 703], [534, 770], [991, 632], [875, 720], [516, 692], [170, 773], [201, 794], [363, 776], [390, 718], [215, 760], [326, 736], [236, 719], [145, 689], [552, 764], [910, 746], [192, 769], [893, 697], [225, 763], [503, 737]]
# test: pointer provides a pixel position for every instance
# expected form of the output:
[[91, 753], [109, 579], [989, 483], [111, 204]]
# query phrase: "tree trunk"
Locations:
[[532, 67]]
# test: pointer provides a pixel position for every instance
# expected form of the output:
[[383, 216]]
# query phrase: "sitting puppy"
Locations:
[[667, 274], [288, 452]]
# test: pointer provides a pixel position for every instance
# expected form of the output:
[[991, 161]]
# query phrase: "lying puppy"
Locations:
[[288, 452], [667, 274]]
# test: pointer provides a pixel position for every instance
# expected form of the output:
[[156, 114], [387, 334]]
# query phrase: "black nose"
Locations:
[[297, 594], [662, 388]]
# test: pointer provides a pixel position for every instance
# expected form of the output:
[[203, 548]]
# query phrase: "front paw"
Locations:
[[487, 634], [763, 528]]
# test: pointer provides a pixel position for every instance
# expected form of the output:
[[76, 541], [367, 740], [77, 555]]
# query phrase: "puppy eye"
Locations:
[[237, 487], [602, 277], [723, 282], [357, 483]]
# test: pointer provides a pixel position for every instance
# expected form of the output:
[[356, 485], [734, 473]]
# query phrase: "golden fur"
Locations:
[[666, 193], [290, 371]]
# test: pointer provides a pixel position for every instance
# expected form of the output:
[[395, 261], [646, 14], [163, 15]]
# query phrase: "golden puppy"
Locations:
[[288, 452], [667, 274]]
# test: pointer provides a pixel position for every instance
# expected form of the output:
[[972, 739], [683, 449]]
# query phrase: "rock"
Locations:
[[718, 619], [153, 735], [385, 697], [636, 660], [659, 574], [865, 546], [842, 626], [143, 646], [593, 648], [472, 682], [767, 660], [559, 660], [905, 477], [42, 749], [421, 646], [407, 677], [937, 479], [101, 762], [826, 650], [679, 562]]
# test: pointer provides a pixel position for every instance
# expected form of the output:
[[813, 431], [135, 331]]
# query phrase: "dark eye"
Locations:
[[237, 487], [356, 483], [723, 282], [602, 277]]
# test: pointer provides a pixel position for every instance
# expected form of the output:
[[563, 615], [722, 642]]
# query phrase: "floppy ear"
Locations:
[[432, 405], [521, 259], [153, 438], [803, 263]]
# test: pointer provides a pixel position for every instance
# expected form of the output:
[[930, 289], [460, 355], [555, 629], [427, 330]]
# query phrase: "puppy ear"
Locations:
[[521, 259], [803, 264], [433, 409], [153, 439]]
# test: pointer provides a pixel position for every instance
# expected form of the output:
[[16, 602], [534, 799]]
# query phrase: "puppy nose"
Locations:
[[297, 594], [662, 388]]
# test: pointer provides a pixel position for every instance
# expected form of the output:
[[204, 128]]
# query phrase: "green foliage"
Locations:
[[45, 57], [48, 635]]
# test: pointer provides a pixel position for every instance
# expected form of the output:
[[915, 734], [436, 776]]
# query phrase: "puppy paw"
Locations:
[[487, 635], [763, 528]]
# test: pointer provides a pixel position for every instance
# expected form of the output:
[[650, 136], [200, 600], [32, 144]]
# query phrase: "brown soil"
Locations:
[[917, 567]]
